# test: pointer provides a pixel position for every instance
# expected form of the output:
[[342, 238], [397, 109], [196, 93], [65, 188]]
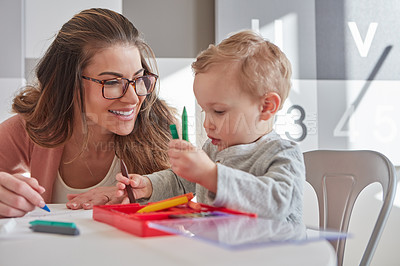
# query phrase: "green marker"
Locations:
[[52, 223], [184, 125], [174, 132], [54, 227]]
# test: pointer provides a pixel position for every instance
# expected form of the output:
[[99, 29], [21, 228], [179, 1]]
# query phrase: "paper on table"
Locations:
[[59, 212], [7, 225], [242, 232], [56, 210]]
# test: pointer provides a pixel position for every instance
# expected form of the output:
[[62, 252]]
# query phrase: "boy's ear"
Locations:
[[271, 103]]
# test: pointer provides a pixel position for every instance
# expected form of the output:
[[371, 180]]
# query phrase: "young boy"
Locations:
[[240, 85]]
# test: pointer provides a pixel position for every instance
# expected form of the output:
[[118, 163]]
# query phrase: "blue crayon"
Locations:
[[45, 208]]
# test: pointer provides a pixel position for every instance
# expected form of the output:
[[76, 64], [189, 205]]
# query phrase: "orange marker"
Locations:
[[168, 203]]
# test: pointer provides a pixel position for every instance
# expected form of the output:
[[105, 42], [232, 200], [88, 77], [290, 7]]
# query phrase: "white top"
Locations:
[[60, 189]]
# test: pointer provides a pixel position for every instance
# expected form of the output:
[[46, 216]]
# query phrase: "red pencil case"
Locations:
[[126, 218]]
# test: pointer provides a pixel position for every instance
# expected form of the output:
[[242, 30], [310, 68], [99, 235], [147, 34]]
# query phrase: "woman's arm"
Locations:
[[18, 194]]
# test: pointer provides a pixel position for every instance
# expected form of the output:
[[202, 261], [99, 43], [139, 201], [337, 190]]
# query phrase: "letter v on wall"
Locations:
[[363, 46]]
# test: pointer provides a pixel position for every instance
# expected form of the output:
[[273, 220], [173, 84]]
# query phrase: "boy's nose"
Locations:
[[208, 124]]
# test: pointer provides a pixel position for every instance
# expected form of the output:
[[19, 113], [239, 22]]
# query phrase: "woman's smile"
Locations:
[[124, 114]]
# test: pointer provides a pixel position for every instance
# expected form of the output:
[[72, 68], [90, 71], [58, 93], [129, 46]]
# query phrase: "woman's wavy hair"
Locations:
[[263, 66], [48, 107]]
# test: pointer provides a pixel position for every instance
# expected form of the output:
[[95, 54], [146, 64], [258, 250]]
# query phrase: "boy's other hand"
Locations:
[[192, 164]]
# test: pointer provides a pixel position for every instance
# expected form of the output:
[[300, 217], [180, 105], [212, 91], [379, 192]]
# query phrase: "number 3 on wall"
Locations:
[[299, 122]]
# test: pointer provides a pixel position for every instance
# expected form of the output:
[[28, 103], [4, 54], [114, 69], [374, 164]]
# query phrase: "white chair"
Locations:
[[338, 177]]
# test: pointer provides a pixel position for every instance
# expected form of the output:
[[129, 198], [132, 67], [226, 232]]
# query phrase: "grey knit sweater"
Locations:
[[265, 177]]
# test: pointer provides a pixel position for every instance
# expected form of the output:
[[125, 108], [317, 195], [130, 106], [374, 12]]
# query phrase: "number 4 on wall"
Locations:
[[339, 130]]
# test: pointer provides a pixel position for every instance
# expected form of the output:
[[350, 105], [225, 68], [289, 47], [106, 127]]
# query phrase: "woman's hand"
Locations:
[[141, 186], [19, 195], [192, 164], [95, 196]]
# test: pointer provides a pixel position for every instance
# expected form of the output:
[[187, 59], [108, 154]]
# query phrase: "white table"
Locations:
[[100, 244]]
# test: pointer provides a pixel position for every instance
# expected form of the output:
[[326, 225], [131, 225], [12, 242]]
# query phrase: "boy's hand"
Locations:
[[141, 186], [192, 164]]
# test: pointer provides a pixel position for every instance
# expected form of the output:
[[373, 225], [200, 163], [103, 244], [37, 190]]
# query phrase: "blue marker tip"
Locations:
[[46, 208]]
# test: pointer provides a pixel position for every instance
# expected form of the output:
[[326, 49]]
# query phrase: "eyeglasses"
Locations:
[[116, 88]]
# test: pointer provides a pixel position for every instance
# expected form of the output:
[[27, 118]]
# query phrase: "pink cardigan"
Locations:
[[19, 154]]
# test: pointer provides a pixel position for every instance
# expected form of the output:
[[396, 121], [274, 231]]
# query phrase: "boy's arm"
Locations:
[[167, 184]]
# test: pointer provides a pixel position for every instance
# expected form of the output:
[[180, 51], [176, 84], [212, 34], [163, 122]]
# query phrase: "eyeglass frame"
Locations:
[[133, 81]]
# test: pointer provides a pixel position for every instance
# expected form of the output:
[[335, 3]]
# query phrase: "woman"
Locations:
[[95, 102]]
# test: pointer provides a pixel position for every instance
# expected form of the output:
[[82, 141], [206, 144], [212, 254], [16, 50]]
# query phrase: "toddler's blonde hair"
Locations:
[[263, 66]]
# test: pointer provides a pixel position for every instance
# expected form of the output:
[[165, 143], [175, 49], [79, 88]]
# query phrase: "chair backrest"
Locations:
[[338, 177]]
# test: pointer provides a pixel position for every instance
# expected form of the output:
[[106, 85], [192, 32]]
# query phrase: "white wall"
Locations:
[[11, 52], [44, 18], [176, 88]]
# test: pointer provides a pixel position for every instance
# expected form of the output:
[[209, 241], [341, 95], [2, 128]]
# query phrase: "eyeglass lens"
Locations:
[[117, 87]]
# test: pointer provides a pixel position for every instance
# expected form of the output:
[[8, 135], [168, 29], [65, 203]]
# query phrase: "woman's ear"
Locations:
[[271, 103]]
